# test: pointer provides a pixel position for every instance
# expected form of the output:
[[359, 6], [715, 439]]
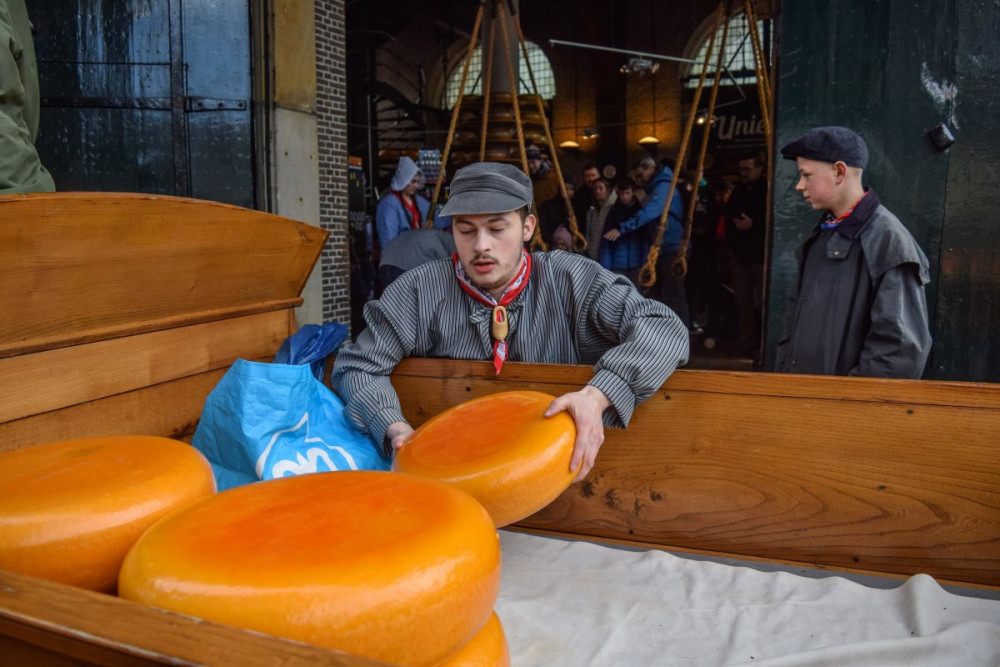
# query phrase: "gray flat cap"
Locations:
[[829, 144], [488, 187]]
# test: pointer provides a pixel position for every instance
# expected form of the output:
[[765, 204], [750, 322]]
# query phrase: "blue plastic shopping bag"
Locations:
[[312, 344], [264, 421]]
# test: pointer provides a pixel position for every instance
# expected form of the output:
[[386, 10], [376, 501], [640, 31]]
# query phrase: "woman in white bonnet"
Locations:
[[401, 209]]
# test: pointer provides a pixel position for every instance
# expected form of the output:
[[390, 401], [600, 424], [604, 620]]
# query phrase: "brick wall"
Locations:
[[331, 117]]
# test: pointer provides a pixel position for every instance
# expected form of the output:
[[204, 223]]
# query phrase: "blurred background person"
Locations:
[[401, 209], [626, 255], [604, 198], [544, 182], [746, 225]]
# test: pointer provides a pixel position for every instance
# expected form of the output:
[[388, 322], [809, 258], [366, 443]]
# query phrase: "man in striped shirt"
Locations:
[[493, 300]]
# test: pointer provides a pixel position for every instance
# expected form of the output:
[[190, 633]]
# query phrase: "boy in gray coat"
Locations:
[[859, 307]]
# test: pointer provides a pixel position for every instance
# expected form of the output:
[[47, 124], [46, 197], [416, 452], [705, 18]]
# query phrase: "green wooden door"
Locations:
[[147, 96]]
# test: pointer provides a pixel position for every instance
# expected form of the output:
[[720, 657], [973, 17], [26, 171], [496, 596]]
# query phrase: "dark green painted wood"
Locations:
[[967, 344], [147, 96], [885, 69]]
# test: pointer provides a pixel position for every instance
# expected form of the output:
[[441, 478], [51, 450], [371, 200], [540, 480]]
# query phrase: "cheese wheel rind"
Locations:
[[488, 648], [379, 564], [500, 449], [70, 510]]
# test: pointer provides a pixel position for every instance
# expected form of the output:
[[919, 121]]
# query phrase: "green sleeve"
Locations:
[[21, 169]]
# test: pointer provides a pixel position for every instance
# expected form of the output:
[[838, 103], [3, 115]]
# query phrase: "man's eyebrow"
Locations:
[[496, 218]]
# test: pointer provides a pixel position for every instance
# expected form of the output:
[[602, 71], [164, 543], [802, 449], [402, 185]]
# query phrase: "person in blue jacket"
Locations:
[[402, 209], [656, 179]]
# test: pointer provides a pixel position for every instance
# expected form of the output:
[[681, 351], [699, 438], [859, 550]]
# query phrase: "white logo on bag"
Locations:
[[302, 464]]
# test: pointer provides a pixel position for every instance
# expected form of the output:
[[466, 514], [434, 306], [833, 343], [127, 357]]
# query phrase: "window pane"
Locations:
[[540, 68], [738, 54]]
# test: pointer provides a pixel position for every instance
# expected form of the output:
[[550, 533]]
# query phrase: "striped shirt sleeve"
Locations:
[[639, 342], [361, 372]]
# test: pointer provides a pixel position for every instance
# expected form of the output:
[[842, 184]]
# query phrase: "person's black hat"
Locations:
[[829, 144], [488, 187]]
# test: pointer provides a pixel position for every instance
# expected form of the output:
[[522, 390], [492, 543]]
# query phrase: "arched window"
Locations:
[[540, 67], [738, 55]]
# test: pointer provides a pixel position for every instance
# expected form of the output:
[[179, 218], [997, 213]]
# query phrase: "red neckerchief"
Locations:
[[498, 320], [830, 222], [411, 207]]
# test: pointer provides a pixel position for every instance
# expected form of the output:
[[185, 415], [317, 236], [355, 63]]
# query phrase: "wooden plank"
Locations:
[[860, 479], [63, 625], [90, 266], [53, 379], [42, 343], [170, 409], [969, 394]]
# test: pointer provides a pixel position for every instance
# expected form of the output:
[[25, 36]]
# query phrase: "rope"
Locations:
[[536, 240], [764, 92], [763, 78], [647, 274], [487, 81], [750, 12], [512, 77], [454, 117], [680, 266], [574, 228]]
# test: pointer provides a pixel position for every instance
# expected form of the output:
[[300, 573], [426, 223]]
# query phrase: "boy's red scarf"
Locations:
[[830, 222], [498, 320]]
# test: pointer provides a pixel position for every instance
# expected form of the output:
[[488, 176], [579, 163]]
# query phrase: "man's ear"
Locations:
[[528, 227], [840, 171]]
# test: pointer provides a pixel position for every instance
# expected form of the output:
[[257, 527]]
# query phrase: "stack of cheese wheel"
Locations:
[[383, 565], [70, 511], [488, 648], [500, 449]]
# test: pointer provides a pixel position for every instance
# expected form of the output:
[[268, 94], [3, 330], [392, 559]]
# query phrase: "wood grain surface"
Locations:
[[78, 267], [45, 623], [53, 379]]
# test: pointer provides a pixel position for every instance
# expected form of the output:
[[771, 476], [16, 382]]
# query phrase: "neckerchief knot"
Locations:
[[498, 319]]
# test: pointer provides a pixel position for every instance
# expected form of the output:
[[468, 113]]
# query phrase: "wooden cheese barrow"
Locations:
[[121, 312]]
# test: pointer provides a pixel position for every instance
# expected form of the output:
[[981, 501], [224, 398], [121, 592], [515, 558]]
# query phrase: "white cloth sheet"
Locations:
[[581, 604]]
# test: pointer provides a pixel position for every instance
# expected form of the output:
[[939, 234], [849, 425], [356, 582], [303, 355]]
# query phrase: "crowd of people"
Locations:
[[719, 292], [719, 286], [712, 275]]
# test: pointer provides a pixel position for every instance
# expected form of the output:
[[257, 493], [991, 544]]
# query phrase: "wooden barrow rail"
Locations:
[[121, 312]]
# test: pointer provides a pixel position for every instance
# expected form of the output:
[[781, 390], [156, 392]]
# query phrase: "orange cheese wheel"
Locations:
[[488, 648], [70, 511], [500, 449], [379, 564]]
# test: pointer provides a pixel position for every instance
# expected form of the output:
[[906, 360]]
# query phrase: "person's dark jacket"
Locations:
[[582, 200], [551, 214], [747, 245], [859, 306]]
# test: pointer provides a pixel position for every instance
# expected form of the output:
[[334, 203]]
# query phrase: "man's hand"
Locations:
[[743, 222], [398, 433], [612, 235], [585, 407]]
